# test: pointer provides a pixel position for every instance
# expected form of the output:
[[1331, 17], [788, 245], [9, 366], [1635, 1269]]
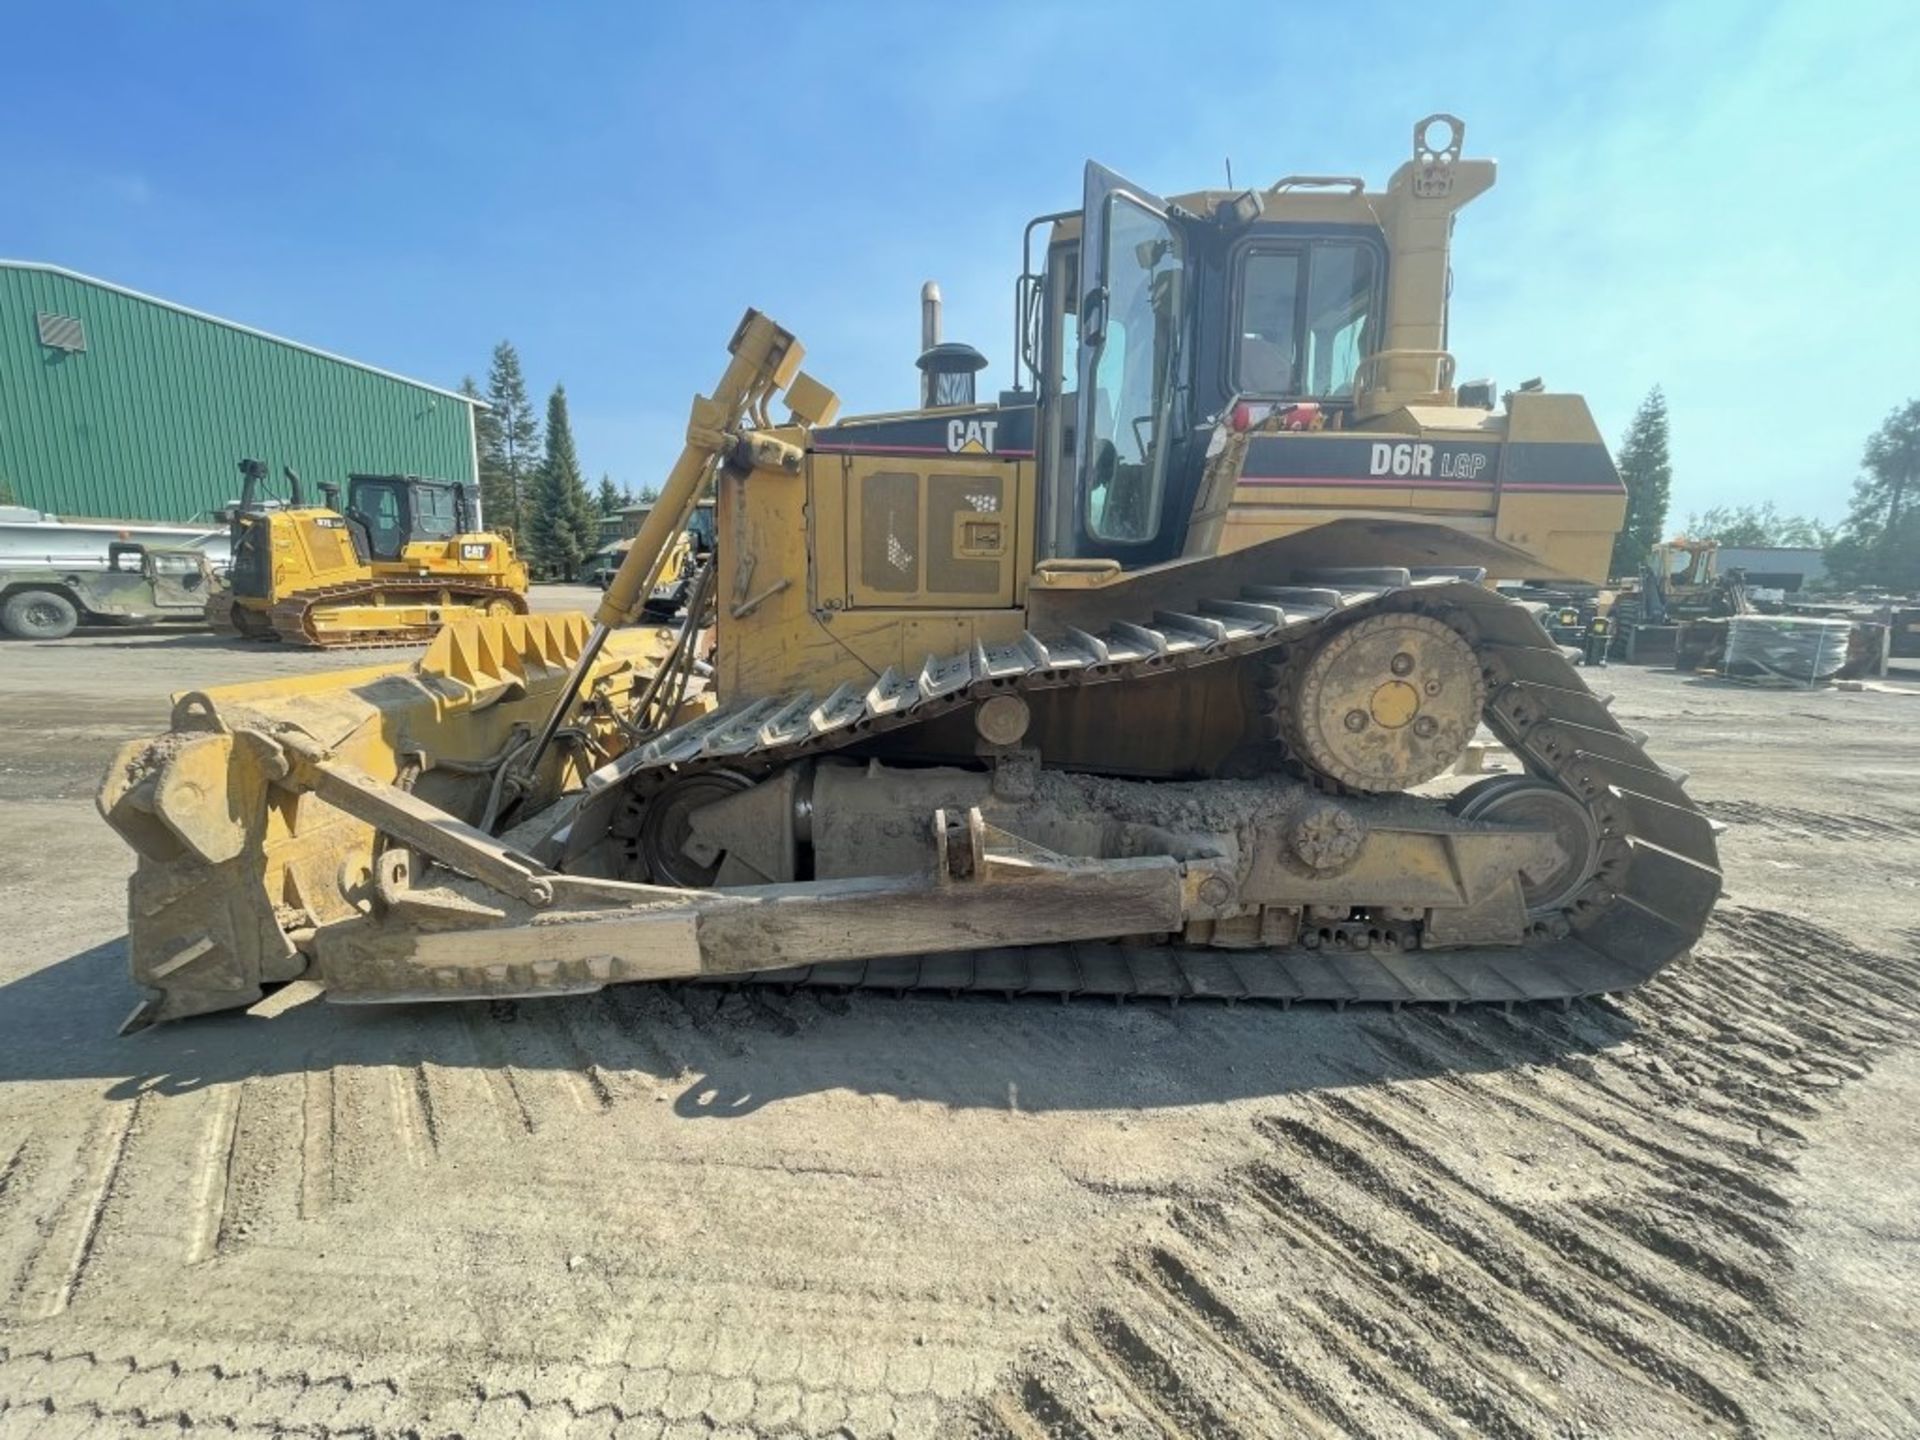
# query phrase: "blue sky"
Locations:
[[1718, 198]]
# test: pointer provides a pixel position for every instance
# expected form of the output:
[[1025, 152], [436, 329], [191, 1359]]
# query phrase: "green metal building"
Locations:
[[116, 405]]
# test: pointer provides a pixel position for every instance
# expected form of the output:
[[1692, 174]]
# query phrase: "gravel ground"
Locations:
[[682, 1212]]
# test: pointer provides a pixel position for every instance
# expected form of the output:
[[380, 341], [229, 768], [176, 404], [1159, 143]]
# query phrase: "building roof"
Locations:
[[67, 274], [1774, 560]]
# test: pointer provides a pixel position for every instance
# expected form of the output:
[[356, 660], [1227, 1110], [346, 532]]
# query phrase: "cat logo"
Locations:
[[971, 437]]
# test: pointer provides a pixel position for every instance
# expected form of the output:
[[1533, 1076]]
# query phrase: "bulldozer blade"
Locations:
[[243, 854]]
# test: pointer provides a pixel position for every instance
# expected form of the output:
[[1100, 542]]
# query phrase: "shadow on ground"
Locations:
[[721, 1053], [170, 637]]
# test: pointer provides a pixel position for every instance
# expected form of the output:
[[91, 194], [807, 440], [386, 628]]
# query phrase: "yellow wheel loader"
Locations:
[[1154, 677], [691, 549], [399, 560]]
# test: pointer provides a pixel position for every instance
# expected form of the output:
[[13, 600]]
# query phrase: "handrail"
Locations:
[[1353, 183], [1443, 361]]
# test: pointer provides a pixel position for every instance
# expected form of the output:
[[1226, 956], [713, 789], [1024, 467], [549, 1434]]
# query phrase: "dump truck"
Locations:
[[1151, 678], [140, 585], [401, 558]]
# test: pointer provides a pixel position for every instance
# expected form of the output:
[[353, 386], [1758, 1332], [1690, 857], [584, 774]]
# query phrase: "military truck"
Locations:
[[139, 586]]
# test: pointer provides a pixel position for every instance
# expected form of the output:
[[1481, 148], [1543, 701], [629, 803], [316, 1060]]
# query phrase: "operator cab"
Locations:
[[1151, 323], [701, 529], [1178, 316], [390, 512]]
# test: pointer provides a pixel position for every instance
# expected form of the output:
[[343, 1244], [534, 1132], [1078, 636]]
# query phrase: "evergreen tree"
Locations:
[[649, 495], [1648, 475], [510, 443], [1880, 543], [563, 526], [611, 499]]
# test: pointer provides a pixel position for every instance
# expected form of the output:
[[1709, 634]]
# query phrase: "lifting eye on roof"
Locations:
[[1436, 147], [950, 369], [1437, 139]]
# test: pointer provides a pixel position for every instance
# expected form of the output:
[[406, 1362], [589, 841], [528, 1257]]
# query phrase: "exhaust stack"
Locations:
[[929, 336]]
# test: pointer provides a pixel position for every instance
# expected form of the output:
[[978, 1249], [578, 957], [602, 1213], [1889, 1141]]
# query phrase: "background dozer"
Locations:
[[1148, 679], [400, 559]]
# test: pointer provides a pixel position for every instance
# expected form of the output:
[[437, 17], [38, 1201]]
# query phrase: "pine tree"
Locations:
[[610, 497], [563, 526], [1880, 544], [509, 443], [1648, 475]]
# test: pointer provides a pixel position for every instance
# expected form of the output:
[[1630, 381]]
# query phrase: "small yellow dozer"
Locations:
[[400, 559]]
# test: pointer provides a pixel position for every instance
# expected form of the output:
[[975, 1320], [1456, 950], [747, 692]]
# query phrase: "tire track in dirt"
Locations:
[[67, 1231], [109, 1388], [12, 1169], [317, 1134], [1829, 825], [214, 1183], [1378, 1264], [85, 1391], [1386, 1266]]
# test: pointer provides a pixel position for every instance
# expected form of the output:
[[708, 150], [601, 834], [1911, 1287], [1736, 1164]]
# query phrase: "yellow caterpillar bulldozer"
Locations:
[[1151, 678], [401, 559]]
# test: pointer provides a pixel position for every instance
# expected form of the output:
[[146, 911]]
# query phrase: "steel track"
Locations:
[[1647, 901], [292, 619]]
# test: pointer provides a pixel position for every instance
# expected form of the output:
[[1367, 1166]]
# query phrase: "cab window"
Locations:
[[1062, 343], [701, 528], [1132, 375], [1269, 308], [433, 517], [376, 505], [1306, 318], [383, 519]]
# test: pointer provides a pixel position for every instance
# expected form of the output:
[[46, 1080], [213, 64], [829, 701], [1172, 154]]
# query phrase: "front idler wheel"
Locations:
[[1523, 800], [667, 825]]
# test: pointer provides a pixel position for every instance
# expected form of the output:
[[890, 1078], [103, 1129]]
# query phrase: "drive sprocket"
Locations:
[[1384, 704]]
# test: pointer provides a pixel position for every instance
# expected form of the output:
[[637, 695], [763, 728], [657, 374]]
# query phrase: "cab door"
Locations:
[[1134, 318]]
